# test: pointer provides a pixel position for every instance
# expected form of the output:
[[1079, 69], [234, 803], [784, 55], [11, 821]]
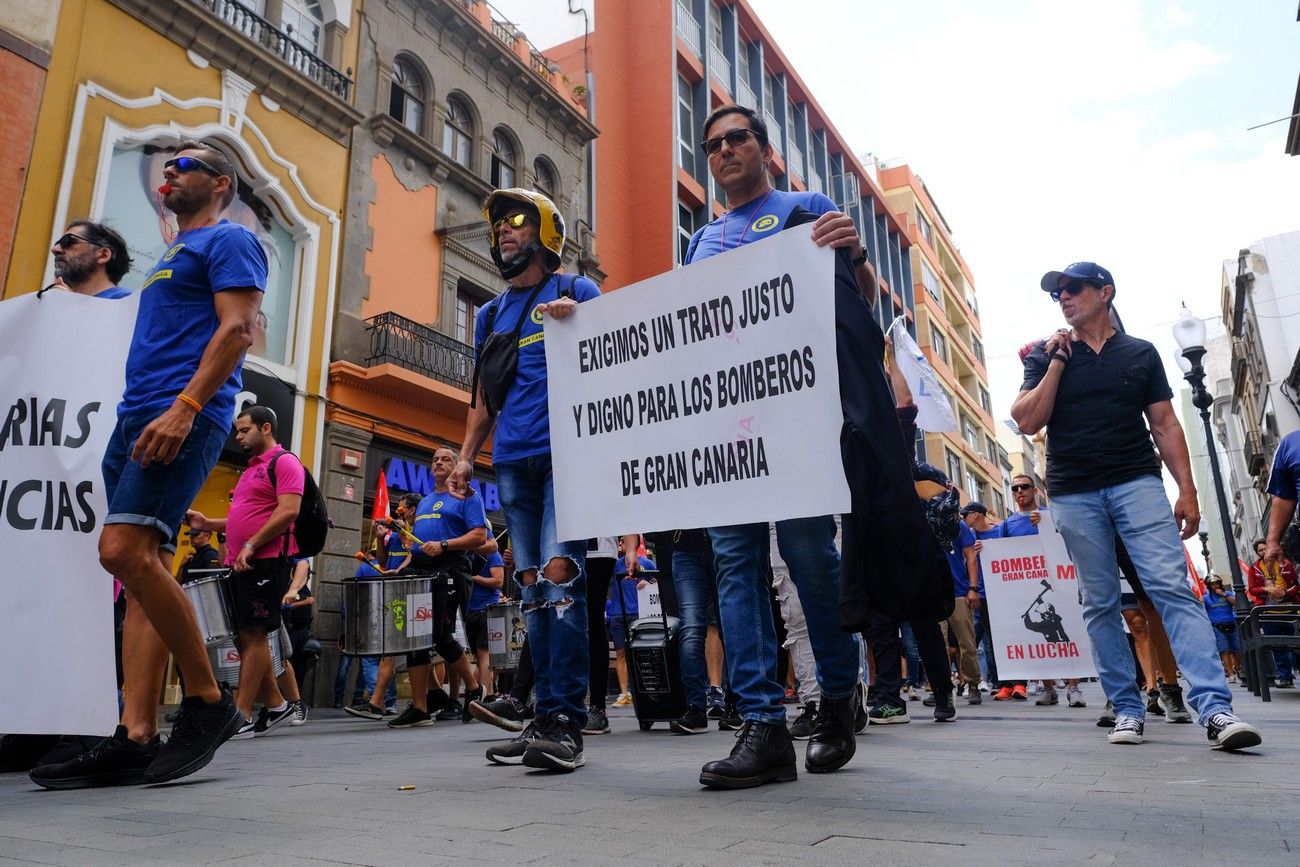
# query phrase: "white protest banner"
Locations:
[[647, 600], [62, 360], [1033, 603], [933, 411], [705, 396]]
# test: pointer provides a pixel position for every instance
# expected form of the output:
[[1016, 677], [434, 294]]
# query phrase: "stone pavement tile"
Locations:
[[67, 855]]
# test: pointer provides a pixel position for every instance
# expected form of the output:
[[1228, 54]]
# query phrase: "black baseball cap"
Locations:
[[1089, 271], [974, 506]]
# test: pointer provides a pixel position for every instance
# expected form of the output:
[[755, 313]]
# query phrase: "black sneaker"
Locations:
[[300, 714], [945, 710], [114, 761], [200, 728], [716, 703], [1171, 704], [888, 712], [975, 697], [559, 748], [450, 713], [597, 722], [1153, 701], [1227, 732], [247, 728], [802, 727], [1127, 730], [411, 718], [763, 753], [365, 710], [1107, 718], [693, 722], [504, 713], [511, 752], [270, 719], [477, 695], [730, 720]]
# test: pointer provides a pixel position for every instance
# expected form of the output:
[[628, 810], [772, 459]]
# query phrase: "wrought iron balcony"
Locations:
[[1253, 452], [394, 339], [266, 34]]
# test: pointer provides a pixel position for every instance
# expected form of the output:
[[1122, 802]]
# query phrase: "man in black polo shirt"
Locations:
[[1092, 385], [201, 559]]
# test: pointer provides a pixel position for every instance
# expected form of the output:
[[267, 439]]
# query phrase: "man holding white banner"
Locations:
[[198, 309]]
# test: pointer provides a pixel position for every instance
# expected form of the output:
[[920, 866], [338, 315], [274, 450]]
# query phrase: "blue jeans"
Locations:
[[695, 580], [807, 546], [1139, 511], [555, 614], [915, 673], [365, 680]]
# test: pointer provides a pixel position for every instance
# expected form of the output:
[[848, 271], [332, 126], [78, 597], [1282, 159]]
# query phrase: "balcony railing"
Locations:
[[773, 129], [815, 182], [1253, 452], [687, 27], [745, 95], [266, 34], [503, 31], [394, 339], [794, 159], [540, 64], [720, 66]]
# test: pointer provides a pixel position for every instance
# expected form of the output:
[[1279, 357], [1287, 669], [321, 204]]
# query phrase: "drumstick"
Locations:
[[370, 561], [401, 528]]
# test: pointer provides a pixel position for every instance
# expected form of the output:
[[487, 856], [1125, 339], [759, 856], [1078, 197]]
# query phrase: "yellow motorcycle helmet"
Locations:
[[550, 228]]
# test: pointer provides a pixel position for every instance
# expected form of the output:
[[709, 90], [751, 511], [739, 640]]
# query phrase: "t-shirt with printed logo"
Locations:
[[178, 317]]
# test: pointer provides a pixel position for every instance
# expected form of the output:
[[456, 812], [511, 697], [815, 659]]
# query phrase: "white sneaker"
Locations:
[[1074, 697], [300, 713], [984, 686]]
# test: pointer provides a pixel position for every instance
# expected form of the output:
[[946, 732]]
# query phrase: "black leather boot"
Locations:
[[763, 753], [832, 743]]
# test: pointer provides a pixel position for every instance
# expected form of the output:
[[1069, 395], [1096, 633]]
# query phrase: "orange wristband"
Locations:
[[190, 402]]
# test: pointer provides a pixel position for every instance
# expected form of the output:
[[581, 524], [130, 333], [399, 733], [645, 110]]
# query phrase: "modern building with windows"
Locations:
[[660, 68], [454, 102], [948, 331]]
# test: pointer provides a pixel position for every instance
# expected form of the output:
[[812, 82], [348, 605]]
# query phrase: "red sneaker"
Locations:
[[1003, 694], [1018, 692]]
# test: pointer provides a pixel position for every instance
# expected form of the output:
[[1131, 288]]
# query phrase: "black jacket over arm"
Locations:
[[891, 561]]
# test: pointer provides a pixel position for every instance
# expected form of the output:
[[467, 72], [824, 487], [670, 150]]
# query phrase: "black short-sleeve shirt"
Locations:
[[1097, 435]]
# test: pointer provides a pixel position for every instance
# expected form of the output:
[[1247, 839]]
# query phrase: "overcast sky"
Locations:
[[1050, 132]]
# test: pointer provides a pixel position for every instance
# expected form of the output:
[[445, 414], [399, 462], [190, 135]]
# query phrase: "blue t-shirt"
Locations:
[[396, 551], [523, 426], [991, 533], [178, 318], [753, 221], [628, 587], [1284, 479], [113, 292], [1018, 524], [957, 560], [1220, 607], [481, 597], [441, 516], [365, 570]]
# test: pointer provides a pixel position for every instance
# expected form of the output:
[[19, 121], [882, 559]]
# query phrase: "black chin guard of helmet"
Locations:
[[511, 270]]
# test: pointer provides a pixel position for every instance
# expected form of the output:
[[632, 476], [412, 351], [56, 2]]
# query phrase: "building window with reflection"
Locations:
[[503, 160], [458, 132], [406, 96], [544, 179]]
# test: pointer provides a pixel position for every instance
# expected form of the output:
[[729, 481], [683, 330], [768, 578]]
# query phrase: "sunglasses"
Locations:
[[191, 164], [514, 221], [1072, 288], [1016, 488], [735, 138], [69, 240]]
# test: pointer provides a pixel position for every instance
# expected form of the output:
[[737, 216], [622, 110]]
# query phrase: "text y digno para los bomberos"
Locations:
[[47, 504], [747, 381]]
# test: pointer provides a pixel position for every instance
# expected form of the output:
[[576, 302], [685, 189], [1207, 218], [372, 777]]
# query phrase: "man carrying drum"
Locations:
[[446, 529]]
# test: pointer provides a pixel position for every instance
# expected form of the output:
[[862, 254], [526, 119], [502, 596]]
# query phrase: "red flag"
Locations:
[[380, 512], [1194, 577]]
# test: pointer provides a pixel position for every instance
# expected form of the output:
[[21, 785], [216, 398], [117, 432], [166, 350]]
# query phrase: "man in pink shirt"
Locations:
[[259, 543]]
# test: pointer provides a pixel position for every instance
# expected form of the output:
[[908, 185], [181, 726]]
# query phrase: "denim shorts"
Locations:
[[159, 495], [1227, 642], [528, 498]]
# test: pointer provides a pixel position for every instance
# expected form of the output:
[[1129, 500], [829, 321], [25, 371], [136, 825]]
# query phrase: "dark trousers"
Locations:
[[600, 570], [522, 687], [882, 632]]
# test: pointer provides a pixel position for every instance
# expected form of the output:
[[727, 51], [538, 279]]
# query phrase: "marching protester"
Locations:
[[1272, 581], [196, 321], [90, 258], [260, 542], [1220, 604], [601, 554], [1284, 486], [1096, 387], [488, 580], [526, 235]]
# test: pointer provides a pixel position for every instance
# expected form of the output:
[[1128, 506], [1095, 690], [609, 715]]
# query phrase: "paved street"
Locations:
[[1007, 784]]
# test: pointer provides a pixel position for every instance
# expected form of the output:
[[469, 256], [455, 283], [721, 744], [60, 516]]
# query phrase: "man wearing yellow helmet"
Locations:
[[526, 234]]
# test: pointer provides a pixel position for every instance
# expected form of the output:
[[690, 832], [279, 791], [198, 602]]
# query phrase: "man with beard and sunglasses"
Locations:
[[90, 259], [198, 308], [1096, 389]]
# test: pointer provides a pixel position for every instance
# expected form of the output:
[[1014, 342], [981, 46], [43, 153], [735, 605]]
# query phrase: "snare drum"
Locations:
[[225, 659], [210, 598], [506, 634], [388, 616]]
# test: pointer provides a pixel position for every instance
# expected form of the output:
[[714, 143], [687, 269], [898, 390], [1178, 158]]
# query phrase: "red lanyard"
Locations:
[[723, 242]]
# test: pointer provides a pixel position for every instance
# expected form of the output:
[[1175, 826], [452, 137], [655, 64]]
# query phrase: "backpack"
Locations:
[[313, 522]]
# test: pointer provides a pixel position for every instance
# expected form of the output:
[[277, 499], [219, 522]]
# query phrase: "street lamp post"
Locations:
[[1205, 551], [1189, 332]]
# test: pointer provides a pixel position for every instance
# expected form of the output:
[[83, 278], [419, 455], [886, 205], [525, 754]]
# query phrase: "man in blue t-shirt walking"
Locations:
[[527, 239], [197, 316], [90, 259], [737, 147]]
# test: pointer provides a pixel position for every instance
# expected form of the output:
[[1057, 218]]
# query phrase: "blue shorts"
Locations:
[[1129, 602], [158, 496], [1227, 642], [616, 633], [528, 498]]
